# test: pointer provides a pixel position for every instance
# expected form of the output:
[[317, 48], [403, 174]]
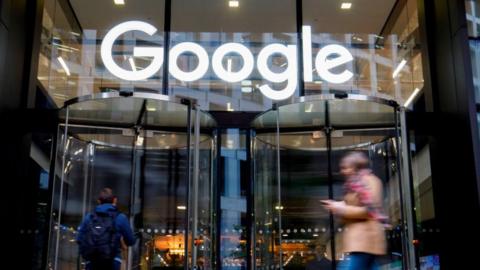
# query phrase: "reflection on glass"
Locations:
[[147, 169], [385, 47], [69, 62], [234, 226], [291, 235]]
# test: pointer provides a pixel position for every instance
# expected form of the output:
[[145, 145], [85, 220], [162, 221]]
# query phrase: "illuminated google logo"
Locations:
[[328, 58]]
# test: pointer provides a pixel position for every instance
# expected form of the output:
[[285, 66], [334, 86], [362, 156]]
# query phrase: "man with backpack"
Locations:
[[101, 232]]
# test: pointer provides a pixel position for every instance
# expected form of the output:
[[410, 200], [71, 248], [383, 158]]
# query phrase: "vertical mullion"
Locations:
[[166, 44], [299, 22]]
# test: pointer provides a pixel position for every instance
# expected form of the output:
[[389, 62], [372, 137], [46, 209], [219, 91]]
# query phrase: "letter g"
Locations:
[[133, 75]]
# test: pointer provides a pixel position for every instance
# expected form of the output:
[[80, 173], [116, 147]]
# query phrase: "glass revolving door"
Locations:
[[296, 151], [146, 148]]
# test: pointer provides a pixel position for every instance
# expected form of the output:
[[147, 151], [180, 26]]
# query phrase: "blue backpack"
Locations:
[[98, 241]]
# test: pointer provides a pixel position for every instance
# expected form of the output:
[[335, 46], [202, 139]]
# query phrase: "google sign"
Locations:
[[328, 58]]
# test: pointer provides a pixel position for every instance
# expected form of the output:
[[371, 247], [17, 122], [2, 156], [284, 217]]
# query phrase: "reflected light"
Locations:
[[139, 141], [132, 63], [181, 207], [309, 108], [399, 68], [412, 97], [346, 5], [64, 65], [229, 65]]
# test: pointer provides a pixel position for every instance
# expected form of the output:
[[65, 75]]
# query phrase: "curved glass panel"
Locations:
[[293, 230], [307, 114], [360, 113], [143, 150]]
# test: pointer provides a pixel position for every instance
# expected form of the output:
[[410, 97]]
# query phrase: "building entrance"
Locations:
[[156, 154], [297, 148]]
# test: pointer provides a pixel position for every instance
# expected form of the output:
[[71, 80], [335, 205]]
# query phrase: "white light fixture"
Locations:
[[233, 3], [399, 68], [247, 90], [412, 97], [153, 109], [346, 5], [132, 64], [119, 2], [64, 65], [139, 141], [229, 107], [229, 65], [247, 86], [309, 108], [181, 207]]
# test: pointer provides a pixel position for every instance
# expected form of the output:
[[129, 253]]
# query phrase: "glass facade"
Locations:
[[473, 23], [385, 48], [298, 166], [221, 125], [255, 203]]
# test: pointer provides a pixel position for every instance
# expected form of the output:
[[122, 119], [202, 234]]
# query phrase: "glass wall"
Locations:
[[473, 23], [70, 63], [277, 47], [161, 175], [234, 192], [297, 150], [384, 39]]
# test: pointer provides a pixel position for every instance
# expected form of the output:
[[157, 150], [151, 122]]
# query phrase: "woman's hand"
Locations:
[[336, 207]]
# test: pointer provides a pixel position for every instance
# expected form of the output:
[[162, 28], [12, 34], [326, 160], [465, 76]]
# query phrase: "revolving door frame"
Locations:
[[403, 169], [193, 130]]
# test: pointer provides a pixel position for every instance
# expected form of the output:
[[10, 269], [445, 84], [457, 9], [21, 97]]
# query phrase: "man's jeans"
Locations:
[[359, 261], [104, 265]]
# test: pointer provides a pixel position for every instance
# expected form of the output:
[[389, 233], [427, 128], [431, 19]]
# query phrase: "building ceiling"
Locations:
[[258, 16]]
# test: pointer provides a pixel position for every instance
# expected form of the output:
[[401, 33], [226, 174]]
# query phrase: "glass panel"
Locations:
[[306, 241], [128, 111], [380, 148], [359, 113], [475, 56], [382, 36], [296, 115], [70, 64], [427, 227], [147, 171], [161, 180], [473, 19], [266, 226], [234, 224], [205, 221], [309, 165], [221, 22]]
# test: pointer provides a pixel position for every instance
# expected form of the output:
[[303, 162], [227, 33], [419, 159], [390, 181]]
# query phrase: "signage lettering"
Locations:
[[327, 59]]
